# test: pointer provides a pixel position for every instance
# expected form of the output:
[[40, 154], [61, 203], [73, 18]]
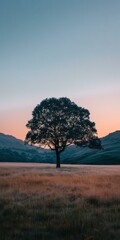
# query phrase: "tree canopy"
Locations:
[[58, 123]]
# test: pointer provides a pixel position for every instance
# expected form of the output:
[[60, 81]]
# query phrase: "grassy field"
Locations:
[[38, 201]]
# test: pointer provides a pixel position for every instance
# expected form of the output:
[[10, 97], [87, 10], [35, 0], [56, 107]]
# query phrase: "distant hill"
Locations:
[[110, 154], [8, 141], [12, 149]]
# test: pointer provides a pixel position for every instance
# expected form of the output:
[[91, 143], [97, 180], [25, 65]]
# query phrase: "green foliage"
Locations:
[[58, 123]]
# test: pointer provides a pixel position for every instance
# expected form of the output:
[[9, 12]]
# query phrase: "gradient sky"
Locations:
[[54, 48]]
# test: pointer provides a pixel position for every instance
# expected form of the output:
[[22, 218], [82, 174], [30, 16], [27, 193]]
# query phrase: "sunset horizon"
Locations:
[[59, 48], [18, 118]]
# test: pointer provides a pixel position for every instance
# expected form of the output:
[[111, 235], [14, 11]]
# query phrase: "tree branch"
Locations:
[[50, 147]]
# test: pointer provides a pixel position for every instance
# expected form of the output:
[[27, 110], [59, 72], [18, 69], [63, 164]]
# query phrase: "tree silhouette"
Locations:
[[58, 123]]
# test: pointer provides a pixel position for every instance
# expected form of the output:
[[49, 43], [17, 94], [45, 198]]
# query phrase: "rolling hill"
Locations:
[[12, 149], [110, 154]]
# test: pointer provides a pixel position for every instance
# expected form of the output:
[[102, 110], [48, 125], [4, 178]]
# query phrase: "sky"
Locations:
[[59, 48]]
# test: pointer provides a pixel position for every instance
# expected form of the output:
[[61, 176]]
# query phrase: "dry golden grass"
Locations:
[[74, 202]]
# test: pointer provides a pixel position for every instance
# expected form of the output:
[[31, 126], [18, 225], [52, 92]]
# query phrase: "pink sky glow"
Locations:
[[104, 111]]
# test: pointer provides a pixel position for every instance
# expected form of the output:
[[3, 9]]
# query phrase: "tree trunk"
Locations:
[[57, 159]]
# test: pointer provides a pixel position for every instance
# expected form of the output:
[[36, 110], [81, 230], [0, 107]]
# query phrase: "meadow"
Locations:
[[38, 201]]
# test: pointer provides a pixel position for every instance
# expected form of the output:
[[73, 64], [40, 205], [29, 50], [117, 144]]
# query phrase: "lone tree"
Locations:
[[58, 123]]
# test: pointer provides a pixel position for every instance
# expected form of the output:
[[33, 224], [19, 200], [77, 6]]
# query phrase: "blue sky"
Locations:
[[59, 48]]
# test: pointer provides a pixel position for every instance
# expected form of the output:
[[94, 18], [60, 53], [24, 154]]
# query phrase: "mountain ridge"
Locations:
[[13, 149]]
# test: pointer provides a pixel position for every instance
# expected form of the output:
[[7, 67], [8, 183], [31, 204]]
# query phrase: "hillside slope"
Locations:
[[110, 154], [12, 149]]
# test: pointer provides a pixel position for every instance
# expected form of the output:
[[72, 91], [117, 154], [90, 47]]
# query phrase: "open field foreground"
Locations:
[[38, 201]]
